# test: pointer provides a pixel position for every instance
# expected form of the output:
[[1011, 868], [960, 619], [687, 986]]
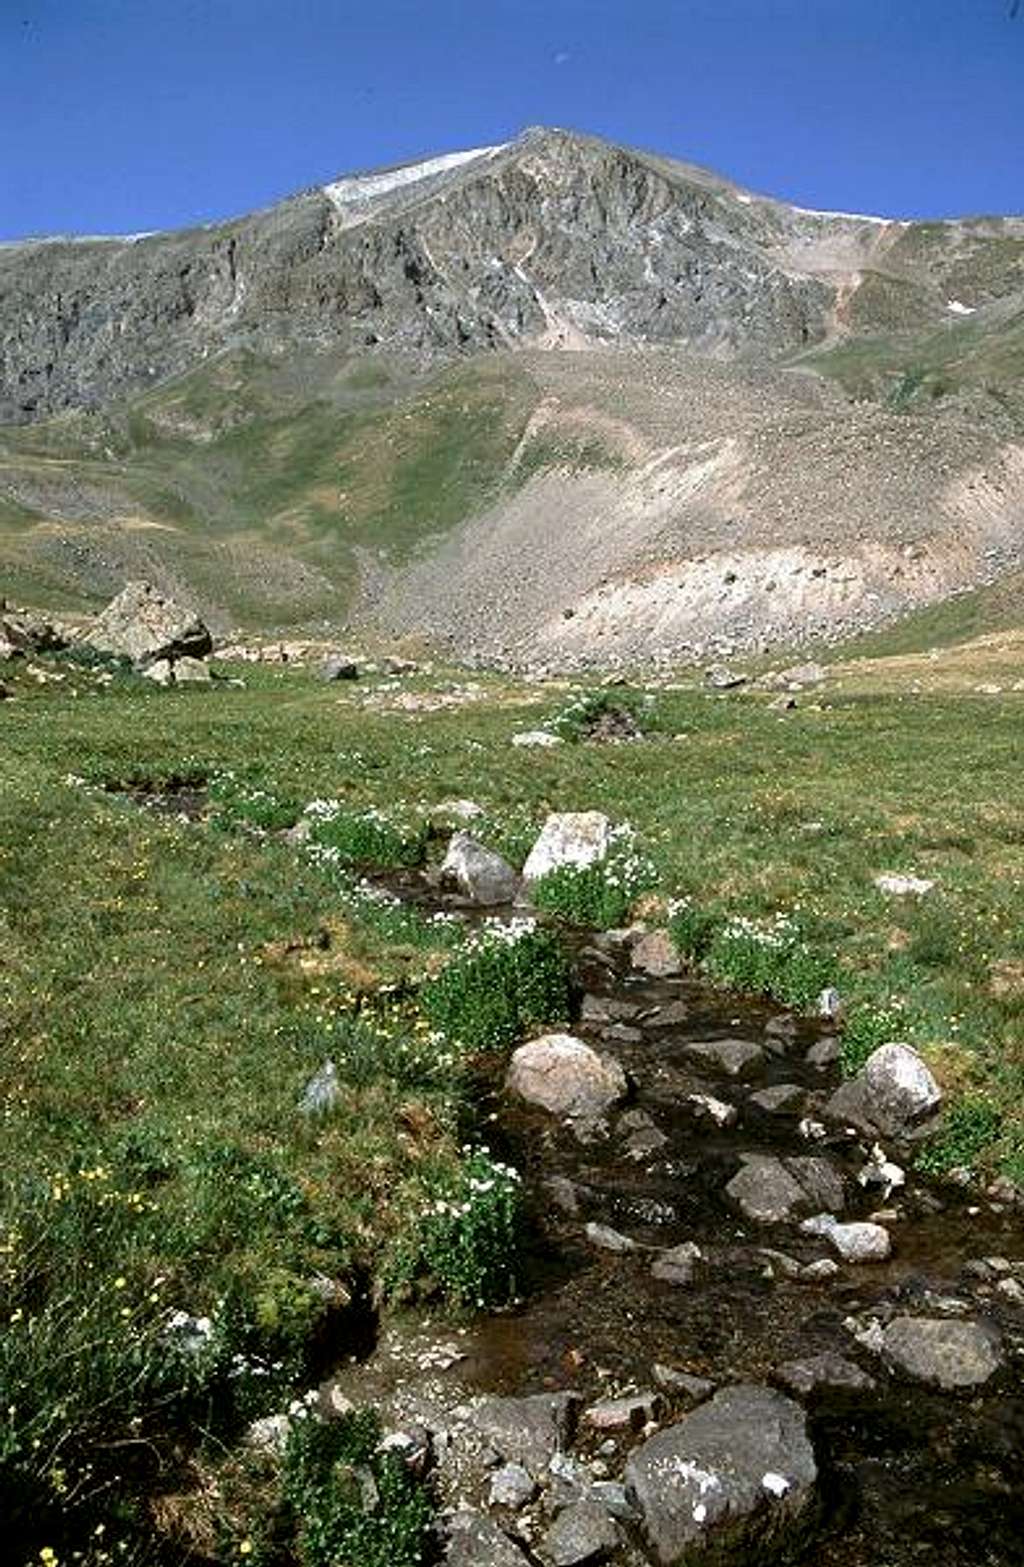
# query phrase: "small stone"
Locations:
[[857, 1242], [656, 954], [782, 1096], [898, 886], [830, 1003], [821, 1271], [322, 1092], [630, 1413], [679, 1265], [614, 1498], [828, 1370], [563, 1193], [607, 1239], [734, 1057], [160, 672], [582, 1534], [824, 1052], [512, 1486], [192, 672], [474, 1540], [527, 1431], [536, 738], [682, 1384], [717, 1110]]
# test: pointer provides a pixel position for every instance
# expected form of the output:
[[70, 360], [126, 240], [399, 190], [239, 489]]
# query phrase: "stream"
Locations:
[[907, 1473]]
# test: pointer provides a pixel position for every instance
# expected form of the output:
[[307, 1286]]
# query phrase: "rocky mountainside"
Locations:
[[548, 399]]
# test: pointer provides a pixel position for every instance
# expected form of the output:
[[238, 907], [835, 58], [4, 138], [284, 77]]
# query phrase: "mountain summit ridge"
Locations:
[[554, 238]]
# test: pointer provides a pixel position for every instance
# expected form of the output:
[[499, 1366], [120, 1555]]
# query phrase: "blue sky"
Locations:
[[120, 115]]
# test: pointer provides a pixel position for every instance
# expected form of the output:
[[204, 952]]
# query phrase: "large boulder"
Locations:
[[738, 1474], [772, 1190], [944, 1353], [568, 838], [143, 625], [478, 872], [528, 1431], [562, 1074], [474, 1540], [891, 1094]]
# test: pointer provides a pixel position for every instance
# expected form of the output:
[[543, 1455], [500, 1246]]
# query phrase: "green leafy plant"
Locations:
[[867, 1026], [466, 1236], [503, 981], [605, 711], [240, 801], [347, 1503], [365, 838], [769, 957], [692, 928], [969, 1128]]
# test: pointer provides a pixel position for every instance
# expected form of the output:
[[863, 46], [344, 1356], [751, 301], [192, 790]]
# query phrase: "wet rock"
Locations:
[[820, 1272], [563, 1193], [336, 667], [734, 1057], [641, 1134], [568, 838], [796, 679], [606, 1239], [478, 872], [737, 1474], [782, 1096], [780, 1264], [561, 1074], [474, 1540], [669, 1016], [891, 1094], [144, 625], [829, 1371], [945, 1354], [718, 1110], [527, 1431], [656, 954], [631, 1413], [680, 1265], [682, 1384], [856, 1242], [824, 1052], [622, 1034], [582, 1534], [771, 1190], [511, 1486]]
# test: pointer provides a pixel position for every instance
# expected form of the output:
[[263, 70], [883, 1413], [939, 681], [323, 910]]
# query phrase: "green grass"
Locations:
[[168, 989]]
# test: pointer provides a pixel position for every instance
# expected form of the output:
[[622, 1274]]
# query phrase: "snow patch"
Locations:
[[357, 188]]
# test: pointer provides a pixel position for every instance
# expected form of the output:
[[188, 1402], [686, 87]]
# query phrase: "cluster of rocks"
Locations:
[[578, 838]]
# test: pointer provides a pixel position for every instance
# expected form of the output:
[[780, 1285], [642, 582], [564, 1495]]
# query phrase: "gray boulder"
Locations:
[[772, 1190], [581, 1535], [143, 625], [828, 1370], [656, 954], [192, 672], [561, 1074], [861, 1241], [478, 872], [734, 1057], [891, 1094], [160, 672], [336, 667], [944, 1353], [528, 1431], [474, 1540], [737, 1474], [511, 1486], [568, 838]]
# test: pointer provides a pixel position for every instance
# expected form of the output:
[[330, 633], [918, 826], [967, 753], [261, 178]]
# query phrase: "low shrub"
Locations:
[[367, 838], [867, 1026], [692, 928], [505, 980], [465, 1239], [609, 712], [241, 802], [769, 957], [347, 1502], [969, 1128]]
